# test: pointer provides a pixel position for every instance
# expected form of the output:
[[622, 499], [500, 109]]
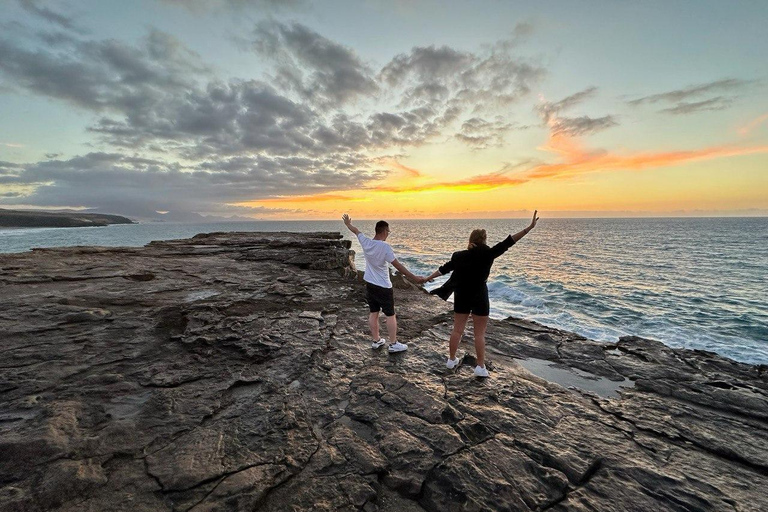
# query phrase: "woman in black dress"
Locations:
[[470, 271]]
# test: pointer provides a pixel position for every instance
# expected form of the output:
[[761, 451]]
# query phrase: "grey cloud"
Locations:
[[434, 73], [548, 110], [454, 82], [140, 186], [224, 118], [334, 73], [550, 113], [156, 89], [410, 127], [680, 98], [250, 139], [684, 107], [342, 132], [481, 134], [426, 64], [247, 117], [426, 92], [438, 86], [211, 5], [726, 84], [582, 125], [403, 128], [522, 30], [49, 15], [520, 33], [8, 165], [104, 74], [381, 130]]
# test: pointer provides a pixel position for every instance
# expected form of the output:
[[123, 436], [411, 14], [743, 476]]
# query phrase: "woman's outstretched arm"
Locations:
[[520, 234], [441, 271], [502, 247]]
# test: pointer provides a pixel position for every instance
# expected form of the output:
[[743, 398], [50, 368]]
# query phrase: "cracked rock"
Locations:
[[233, 371]]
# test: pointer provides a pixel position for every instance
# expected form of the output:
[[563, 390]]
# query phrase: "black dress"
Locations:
[[470, 271]]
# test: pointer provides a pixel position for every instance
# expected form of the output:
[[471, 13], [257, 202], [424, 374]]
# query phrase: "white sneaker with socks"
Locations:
[[397, 347], [480, 371], [378, 344]]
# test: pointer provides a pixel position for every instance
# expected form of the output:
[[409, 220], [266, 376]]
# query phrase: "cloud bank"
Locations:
[[177, 137], [321, 122]]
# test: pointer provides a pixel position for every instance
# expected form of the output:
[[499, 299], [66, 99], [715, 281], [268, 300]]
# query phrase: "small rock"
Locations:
[[91, 315], [316, 315]]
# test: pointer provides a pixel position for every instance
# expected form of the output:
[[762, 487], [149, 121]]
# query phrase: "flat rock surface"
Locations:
[[234, 372]]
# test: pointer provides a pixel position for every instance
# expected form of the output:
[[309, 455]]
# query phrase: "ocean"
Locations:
[[698, 283]]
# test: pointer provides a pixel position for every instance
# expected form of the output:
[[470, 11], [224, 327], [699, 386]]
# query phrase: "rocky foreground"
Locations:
[[233, 372]]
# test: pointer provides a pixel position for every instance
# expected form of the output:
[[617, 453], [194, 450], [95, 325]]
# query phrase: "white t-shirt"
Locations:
[[378, 256]]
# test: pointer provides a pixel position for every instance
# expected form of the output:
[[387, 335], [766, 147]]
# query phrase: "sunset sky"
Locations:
[[385, 109]]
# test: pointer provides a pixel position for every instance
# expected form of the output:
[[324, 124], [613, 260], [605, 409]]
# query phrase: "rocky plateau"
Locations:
[[233, 371]]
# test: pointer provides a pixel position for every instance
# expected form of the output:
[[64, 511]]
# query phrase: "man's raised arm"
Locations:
[[348, 222]]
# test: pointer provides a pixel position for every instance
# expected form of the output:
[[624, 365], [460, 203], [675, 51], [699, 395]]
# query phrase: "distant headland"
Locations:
[[41, 219]]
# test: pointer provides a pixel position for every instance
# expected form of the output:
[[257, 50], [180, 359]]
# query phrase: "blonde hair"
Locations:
[[477, 237]]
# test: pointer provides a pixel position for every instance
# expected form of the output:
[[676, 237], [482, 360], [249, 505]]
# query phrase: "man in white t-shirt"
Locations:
[[378, 286]]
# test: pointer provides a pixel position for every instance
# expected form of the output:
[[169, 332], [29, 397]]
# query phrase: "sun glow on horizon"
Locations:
[[412, 193]]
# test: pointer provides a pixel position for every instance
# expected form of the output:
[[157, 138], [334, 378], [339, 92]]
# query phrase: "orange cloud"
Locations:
[[317, 198], [744, 130], [580, 161], [475, 183], [409, 171], [574, 160]]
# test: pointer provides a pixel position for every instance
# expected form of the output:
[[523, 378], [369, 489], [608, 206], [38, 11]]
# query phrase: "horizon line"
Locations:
[[241, 219]]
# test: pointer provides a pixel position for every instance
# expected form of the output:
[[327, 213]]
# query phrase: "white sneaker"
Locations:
[[452, 363], [480, 371], [398, 347], [378, 344]]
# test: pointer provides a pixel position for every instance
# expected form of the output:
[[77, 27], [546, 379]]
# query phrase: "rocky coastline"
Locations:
[[43, 219], [232, 371]]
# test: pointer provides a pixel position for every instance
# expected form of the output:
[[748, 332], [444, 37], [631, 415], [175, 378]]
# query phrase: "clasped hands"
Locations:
[[422, 279]]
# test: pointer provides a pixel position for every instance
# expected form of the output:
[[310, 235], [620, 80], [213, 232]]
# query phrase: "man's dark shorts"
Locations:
[[474, 301], [380, 299]]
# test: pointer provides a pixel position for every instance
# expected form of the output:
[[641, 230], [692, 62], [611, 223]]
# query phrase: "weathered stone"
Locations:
[[232, 371]]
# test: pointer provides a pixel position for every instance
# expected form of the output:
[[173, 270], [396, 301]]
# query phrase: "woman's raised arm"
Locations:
[[520, 234]]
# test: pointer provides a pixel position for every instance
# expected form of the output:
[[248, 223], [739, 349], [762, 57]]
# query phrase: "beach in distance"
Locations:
[[695, 283]]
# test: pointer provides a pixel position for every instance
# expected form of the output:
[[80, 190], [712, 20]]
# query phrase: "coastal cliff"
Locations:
[[233, 371], [41, 219]]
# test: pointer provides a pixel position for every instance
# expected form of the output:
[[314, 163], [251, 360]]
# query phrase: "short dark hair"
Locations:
[[381, 226]]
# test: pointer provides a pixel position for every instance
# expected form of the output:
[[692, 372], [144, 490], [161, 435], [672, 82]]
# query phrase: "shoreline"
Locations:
[[604, 319]]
